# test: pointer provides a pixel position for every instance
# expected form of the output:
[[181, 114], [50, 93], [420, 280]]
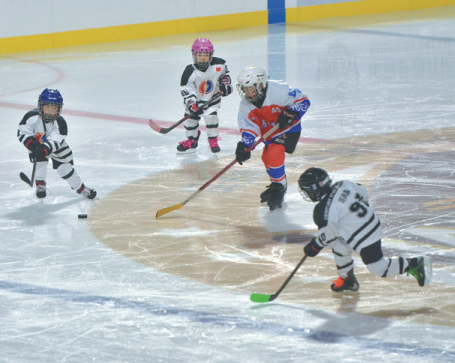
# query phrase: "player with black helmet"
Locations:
[[43, 132], [347, 223]]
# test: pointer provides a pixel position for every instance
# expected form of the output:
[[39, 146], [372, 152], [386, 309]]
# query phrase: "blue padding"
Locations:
[[277, 16], [275, 4]]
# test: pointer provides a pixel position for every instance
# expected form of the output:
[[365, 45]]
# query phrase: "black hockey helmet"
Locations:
[[314, 183]]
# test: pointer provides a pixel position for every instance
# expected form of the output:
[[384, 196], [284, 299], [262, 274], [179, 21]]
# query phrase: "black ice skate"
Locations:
[[349, 283], [277, 191], [265, 195], [189, 145], [421, 269], [40, 191], [87, 192], [213, 144]]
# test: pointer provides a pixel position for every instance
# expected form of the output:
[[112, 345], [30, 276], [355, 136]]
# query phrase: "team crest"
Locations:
[[205, 87]]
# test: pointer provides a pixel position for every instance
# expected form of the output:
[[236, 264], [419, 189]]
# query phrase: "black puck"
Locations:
[[82, 216]]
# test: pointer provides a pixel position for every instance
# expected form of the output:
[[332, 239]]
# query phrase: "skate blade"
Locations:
[[428, 267], [187, 152]]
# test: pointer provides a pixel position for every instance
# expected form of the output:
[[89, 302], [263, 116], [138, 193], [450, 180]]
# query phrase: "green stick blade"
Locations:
[[259, 298]]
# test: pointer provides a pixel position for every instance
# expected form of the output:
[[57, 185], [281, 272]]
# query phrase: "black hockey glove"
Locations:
[[41, 151], [240, 153], [312, 248], [225, 89], [287, 117], [31, 143], [194, 109]]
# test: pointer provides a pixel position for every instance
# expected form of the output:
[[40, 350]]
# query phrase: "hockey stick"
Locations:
[[165, 130], [25, 177], [262, 298], [180, 205]]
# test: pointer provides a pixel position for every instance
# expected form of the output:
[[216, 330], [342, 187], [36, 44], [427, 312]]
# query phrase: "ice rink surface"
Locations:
[[122, 286]]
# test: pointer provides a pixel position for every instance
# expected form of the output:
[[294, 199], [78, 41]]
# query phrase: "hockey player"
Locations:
[[347, 223], [43, 132], [264, 104], [202, 85]]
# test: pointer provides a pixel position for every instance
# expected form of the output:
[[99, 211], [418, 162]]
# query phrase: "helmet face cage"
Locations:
[[255, 77], [314, 183], [202, 45], [50, 97]]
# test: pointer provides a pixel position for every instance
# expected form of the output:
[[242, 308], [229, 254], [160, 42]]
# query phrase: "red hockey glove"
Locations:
[[193, 108]]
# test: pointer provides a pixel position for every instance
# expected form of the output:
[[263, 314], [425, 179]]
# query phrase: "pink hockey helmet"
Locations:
[[202, 45]]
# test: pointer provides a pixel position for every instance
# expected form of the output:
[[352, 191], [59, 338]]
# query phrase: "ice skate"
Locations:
[[87, 192], [265, 195], [349, 283], [40, 191], [213, 144], [189, 145], [421, 269], [277, 191]]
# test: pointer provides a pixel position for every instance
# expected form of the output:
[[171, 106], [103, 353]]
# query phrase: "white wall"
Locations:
[[28, 17]]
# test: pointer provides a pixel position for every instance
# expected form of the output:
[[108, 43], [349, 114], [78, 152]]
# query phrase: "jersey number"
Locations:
[[357, 207]]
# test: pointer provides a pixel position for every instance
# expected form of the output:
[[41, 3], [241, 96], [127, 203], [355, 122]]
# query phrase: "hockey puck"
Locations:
[[82, 216]]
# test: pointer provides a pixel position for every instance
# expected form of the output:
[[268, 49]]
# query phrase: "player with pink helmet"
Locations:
[[202, 85]]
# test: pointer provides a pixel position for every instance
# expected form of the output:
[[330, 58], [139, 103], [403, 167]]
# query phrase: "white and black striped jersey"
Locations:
[[51, 134], [346, 214], [202, 86]]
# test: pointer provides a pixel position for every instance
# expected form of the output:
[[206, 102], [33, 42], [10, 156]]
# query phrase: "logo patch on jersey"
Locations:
[[205, 87], [218, 69], [39, 135]]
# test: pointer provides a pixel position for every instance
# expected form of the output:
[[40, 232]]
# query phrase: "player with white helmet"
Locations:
[[264, 104], [202, 85], [43, 132], [347, 223]]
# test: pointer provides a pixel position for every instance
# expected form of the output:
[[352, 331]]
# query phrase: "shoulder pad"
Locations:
[[216, 60], [186, 74], [62, 126], [318, 214], [28, 115]]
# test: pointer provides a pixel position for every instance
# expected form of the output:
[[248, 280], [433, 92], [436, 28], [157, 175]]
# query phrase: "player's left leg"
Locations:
[[342, 254], [211, 122], [69, 174], [377, 264]]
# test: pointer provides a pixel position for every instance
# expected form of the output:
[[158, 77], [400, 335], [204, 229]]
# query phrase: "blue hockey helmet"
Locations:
[[50, 97]]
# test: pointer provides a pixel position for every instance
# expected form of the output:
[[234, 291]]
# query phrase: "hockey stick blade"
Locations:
[[154, 126], [262, 298], [168, 209], [25, 179]]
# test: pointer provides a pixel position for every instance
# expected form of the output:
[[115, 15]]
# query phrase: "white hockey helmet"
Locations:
[[252, 77]]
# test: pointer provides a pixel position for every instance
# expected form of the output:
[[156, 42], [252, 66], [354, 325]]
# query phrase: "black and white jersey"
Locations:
[[201, 86], [346, 214], [53, 135]]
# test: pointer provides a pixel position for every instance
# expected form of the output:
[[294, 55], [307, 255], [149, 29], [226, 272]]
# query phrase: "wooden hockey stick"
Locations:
[[165, 130], [180, 205], [262, 298]]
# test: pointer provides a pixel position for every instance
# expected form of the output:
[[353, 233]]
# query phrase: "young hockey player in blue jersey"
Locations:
[[43, 132], [202, 85], [347, 224]]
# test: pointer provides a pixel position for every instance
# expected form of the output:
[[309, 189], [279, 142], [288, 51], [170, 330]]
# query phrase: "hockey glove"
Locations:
[[31, 143], [40, 151], [287, 117], [240, 153], [312, 248], [193, 109], [225, 89]]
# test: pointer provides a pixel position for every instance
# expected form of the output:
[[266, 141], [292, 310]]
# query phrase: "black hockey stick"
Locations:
[[25, 177], [262, 298], [165, 130]]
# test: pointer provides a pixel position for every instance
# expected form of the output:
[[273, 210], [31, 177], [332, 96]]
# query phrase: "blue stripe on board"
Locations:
[[438, 355], [276, 11]]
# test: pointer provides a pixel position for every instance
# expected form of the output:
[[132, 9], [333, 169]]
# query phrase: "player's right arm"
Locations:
[[26, 130], [188, 89]]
